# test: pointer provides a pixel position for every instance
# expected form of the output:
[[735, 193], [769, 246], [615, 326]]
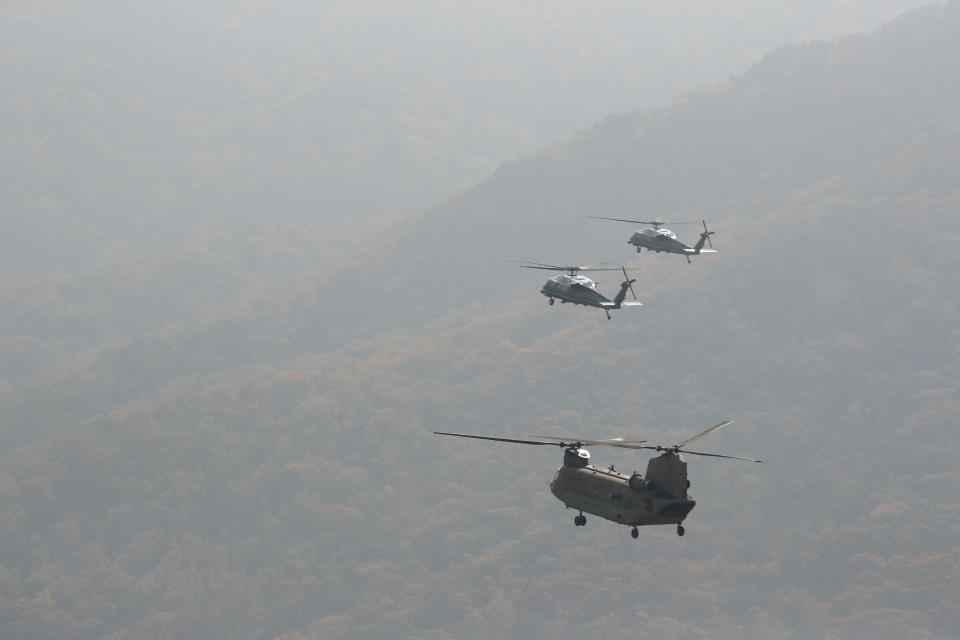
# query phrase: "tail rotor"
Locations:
[[629, 281], [707, 233]]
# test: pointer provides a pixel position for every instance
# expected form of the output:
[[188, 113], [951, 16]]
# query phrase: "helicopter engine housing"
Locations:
[[668, 473]]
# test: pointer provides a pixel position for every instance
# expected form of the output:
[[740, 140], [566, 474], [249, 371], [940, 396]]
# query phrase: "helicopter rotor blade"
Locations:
[[623, 220], [530, 265], [610, 442], [600, 266], [706, 431], [572, 269], [717, 455], [466, 435], [655, 223], [708, 232]]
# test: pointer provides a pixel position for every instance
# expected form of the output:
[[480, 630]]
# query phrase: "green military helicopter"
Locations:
[[659, 497], [654, 238], [577, 289]]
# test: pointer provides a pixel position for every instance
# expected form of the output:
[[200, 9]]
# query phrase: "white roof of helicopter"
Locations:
[[650, 231], [567, 279]]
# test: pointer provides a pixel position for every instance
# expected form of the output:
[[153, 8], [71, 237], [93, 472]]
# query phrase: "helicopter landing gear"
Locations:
[[634, 533], [580, 520], [680, 530], [551, 302]]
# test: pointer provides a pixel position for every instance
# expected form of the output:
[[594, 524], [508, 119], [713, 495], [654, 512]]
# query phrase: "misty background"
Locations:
[[253, 256], [131, 126]]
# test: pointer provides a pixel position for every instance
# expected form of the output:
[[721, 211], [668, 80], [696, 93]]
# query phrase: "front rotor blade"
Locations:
[[718, 455], [611, 442], [622, 220], [530, 266], [624, 445], [651, 222], [466, 435], [705, 432], [528, 263]]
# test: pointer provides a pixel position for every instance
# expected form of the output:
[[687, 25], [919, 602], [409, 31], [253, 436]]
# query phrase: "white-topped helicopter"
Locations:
[[659, 497], [577, 289], [654, 238]]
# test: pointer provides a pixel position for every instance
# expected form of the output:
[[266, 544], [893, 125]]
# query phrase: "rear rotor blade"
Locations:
[[717, 455], [708, 232], [719, 425], [466, 435]]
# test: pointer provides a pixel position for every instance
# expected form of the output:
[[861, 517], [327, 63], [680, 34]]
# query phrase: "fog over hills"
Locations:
[[132, 126], [231, 437]]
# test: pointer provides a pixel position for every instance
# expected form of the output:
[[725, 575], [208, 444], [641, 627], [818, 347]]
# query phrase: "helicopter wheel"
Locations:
[[580, 520], [680, 530], [634, 533]]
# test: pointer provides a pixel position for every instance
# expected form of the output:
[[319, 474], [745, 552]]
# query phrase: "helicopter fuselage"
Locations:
[[633, 500], [575, 289], [664, 240], [658, 240], [582, 290]]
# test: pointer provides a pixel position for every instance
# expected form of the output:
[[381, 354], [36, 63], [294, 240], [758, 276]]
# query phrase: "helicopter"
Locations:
[[633, 500], [656, 239], [571, 287]]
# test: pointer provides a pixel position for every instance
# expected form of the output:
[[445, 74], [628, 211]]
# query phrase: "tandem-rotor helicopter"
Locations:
[[633, 500], [654, 238], [572, 287]]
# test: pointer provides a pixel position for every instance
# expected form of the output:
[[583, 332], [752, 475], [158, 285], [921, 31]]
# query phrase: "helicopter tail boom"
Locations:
[[698, 248]]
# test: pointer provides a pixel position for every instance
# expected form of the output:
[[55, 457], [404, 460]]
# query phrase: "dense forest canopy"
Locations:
[[230, 437]]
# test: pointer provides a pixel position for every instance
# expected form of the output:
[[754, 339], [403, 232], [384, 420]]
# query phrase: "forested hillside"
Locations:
[[232, 439], [132, 127]]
